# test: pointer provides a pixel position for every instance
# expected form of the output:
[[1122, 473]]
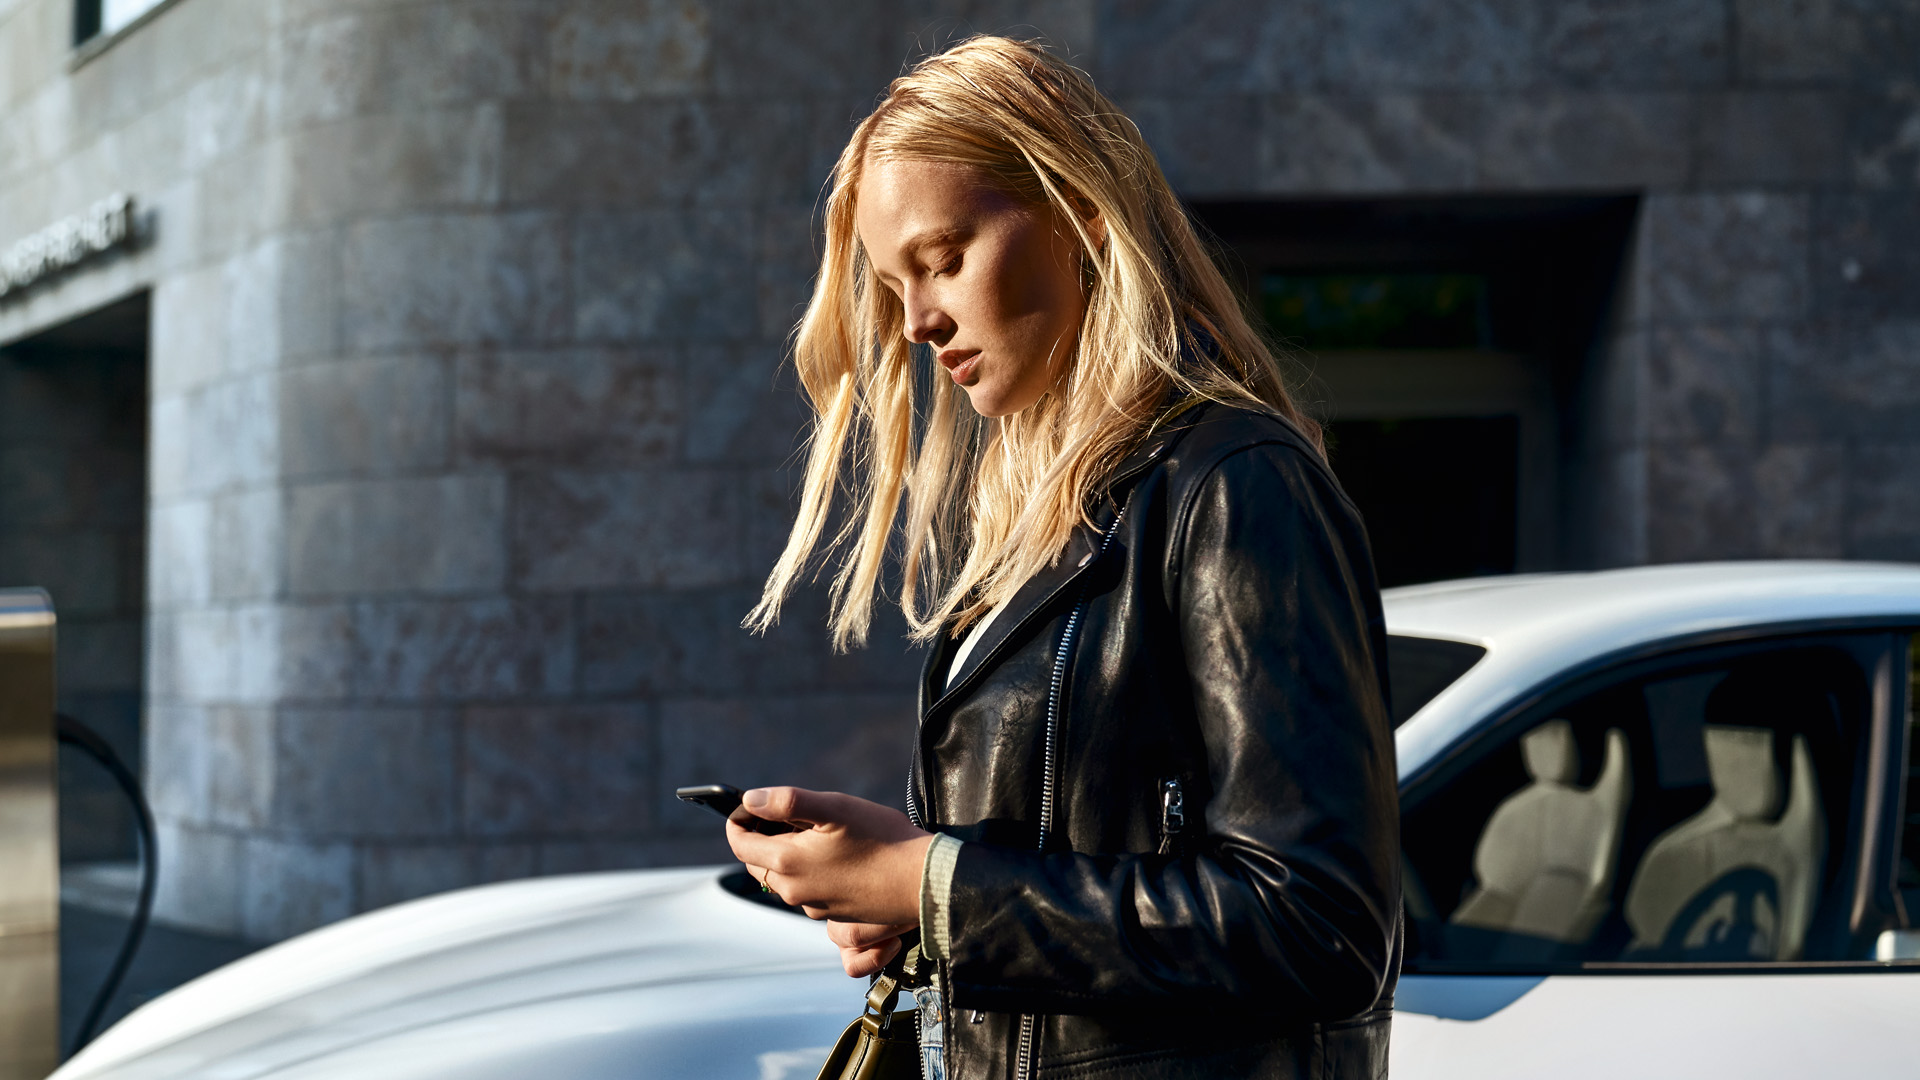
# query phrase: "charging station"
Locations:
[[29, 840]]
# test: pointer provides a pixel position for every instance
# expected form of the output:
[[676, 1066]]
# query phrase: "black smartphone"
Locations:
[[724, 799]]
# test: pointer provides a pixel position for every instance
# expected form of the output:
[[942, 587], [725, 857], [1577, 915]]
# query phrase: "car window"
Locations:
[[1419, 668], [1909, 877], [1692, 812]]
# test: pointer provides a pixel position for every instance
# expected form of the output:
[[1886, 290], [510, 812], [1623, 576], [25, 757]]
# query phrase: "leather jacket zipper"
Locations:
[[913, 804], [1146, 460], [1023, 1068], [1173, 813]]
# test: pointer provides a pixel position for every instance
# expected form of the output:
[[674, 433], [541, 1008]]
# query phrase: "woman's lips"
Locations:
[[960, 363]]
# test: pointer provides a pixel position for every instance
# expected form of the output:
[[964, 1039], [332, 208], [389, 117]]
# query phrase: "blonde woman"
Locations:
[[1152, 824]]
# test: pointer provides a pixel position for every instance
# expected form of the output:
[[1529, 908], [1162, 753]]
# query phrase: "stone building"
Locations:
[[403, 477]]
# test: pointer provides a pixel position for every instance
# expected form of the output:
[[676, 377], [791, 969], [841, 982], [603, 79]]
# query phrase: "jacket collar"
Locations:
[[1040, 593]]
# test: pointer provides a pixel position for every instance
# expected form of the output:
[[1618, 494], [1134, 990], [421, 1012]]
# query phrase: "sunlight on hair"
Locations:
[[987, 504]]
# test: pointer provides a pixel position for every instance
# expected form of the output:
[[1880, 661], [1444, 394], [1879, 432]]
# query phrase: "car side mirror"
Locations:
[[1897, 945]]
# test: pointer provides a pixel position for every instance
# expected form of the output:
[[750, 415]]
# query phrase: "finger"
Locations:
[[859, 935], [860, 963], [881, 955], [757, 873], [753, 848], [854, 935], [848, 935], [774, 803], [796, 805], [768, 883]]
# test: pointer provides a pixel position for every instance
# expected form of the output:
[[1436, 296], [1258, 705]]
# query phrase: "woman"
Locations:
[[1152, 818]]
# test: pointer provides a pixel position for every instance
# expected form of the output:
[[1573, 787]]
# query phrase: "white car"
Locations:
[[1654, 826]]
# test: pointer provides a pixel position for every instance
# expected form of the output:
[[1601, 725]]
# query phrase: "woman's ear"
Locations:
[[1090, 217]]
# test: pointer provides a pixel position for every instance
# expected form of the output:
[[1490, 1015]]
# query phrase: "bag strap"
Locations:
[[882, 996]]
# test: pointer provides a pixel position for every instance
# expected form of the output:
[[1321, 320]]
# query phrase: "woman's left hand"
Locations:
[[850, 860], [865, 948]]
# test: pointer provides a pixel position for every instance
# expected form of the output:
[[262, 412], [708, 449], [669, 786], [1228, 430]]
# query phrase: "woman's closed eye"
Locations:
[[947, 268]]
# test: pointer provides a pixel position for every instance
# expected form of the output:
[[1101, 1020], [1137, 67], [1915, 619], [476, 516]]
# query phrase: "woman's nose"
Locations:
[[926, 323]]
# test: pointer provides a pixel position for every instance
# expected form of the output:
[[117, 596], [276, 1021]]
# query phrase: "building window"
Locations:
[[1446, 344], [101, 18], [1377, 311]]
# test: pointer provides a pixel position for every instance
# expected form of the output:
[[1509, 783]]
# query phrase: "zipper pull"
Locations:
[[1173, 812]]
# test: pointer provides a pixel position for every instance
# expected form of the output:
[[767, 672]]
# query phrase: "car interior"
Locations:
[[1544, 864], [1687, 815], [1738, 880], [1907, 875]]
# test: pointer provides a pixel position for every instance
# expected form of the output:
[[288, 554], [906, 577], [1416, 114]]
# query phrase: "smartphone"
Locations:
[[724, 799]]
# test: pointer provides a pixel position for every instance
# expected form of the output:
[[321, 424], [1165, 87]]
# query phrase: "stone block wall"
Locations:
[[468, 443], [1755, 395], [467, 455], [517, 471]]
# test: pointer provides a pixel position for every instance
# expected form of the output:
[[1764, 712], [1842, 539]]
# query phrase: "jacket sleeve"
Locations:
[[1290, 900]]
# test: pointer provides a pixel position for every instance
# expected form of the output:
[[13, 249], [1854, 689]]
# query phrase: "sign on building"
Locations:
[[66, 243]]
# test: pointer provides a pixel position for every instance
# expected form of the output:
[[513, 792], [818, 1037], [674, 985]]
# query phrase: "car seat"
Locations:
[[1544, 864], [1738, 880]]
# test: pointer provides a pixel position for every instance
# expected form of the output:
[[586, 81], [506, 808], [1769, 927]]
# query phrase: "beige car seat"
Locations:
[[1739, 879], [1545, 861]]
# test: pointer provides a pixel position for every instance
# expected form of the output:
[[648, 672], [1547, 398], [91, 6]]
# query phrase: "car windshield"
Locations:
[[1420, 668]]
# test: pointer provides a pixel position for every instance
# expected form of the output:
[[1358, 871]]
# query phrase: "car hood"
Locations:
[[580, 976], [588, 977]]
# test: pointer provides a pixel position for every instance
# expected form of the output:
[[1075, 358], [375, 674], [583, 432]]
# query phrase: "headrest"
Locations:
[[1550, 754], [1745, 778]]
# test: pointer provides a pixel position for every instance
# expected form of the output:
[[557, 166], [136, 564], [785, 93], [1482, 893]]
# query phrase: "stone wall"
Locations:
[[467, 455], [1759, 394], [468, 445]]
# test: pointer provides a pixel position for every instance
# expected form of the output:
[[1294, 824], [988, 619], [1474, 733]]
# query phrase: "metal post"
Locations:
[[29, 840]]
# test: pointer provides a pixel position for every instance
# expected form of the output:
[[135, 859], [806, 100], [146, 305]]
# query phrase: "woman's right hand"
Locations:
[[865, 948]]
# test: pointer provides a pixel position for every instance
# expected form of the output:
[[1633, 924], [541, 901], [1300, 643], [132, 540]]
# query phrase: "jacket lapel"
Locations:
[[933, 671], [1039, 596], [1035, 598]]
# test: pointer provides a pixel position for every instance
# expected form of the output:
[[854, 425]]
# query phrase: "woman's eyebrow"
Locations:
[[920, 241], [933, 237]]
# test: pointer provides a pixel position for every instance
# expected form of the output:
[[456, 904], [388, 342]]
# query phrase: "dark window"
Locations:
[[1909, 880], [1419, 668], [1449, 341], [1439, 495], [93, 18], [1377, 311], [1696, 813], [86, 20]]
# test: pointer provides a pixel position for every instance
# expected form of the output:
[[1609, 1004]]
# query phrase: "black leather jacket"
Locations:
[[1171, 759]]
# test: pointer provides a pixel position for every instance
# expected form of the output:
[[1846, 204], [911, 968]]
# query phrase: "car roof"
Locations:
[[1535, 626]]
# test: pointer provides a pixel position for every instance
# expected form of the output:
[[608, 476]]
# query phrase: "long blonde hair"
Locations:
[[990, 503]]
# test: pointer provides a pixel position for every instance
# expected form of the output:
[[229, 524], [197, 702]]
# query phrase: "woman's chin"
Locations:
[[985, 403], [995, 402]]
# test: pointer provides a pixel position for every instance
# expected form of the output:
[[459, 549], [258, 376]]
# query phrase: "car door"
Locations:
[[1687, 865]]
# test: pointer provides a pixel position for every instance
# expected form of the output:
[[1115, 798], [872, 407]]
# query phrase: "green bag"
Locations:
[[882, 1044]]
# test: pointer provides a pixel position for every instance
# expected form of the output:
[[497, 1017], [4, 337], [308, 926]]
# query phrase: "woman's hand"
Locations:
[[865, 948], [851, 860]]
